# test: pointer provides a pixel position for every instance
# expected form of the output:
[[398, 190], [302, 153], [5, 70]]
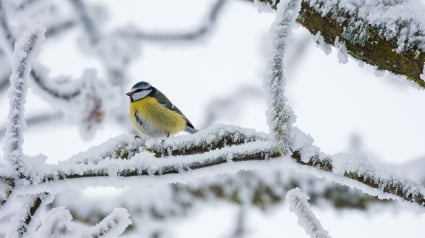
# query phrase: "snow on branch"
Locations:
[[87, 21], [263, 189], [112, 225], [299, 205], [206, 27], [25, 50], [45, 85], [8, 40], [280, 116], [126, 157], [114, 52], [389, 35], [19, 211], [58, 223]]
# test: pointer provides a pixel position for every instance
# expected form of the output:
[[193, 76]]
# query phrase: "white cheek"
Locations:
[[140, 95]]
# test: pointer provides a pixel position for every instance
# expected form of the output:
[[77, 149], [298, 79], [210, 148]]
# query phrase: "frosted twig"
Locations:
[[298, 204], [5, 29], [58, 223], [279, 114], [102, 45], [25, 50], [58, 28], [20, 209], [86, 20], [40, 79], [111, 226], [205, 28]]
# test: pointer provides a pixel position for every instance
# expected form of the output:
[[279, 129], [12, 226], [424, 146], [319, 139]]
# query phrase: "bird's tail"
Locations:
[[191, 130]]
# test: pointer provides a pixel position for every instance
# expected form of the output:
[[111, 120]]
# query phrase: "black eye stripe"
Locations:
[[142, 89]]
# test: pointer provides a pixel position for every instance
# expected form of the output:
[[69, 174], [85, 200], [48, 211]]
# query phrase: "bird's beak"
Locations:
[[129, 93]]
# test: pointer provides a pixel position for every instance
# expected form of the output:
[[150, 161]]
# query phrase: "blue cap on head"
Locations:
[[141, 85]]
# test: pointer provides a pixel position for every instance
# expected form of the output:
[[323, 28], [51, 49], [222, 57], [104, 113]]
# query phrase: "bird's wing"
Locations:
[[164, 101]]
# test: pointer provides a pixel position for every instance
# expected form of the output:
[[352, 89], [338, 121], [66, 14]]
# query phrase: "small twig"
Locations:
[[25, 50], [86, 20], [39, 78], [59, 28], [6, 32], [298, 204], [179, 36]]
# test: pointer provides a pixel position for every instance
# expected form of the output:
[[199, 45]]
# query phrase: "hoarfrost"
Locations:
[[298, 203], [320, 43], [279, 115], [58, 223], [403, 19], [26, 49], [95, 99], [342, 51]]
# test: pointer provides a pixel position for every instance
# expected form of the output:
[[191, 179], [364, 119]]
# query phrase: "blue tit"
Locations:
[[153, 114]]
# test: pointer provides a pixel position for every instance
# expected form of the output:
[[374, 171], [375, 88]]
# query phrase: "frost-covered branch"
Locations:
[[39, 78], [59, 27], [25, 50], [262, 190], [389, 35], [279, 114], [201, 31], [8, 38], [299, 205], [87, 21], [58, 223], [19, 211], [127, 157]]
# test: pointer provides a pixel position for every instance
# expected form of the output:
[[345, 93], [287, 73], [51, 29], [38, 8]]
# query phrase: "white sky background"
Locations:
[[332, 102]]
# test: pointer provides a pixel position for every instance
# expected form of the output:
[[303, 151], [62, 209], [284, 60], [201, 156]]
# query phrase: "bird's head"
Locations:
[[139, 91]]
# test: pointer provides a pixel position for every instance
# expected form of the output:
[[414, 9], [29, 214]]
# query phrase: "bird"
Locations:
[[153, 115]]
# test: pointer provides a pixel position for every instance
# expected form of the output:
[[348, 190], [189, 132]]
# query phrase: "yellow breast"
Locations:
[[157, 120]]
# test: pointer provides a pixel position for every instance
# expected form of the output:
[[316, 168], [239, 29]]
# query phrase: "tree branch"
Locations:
[[201, 31], [126, 157], [39, 78], [24, 52], [391, 43], [298, 203]]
